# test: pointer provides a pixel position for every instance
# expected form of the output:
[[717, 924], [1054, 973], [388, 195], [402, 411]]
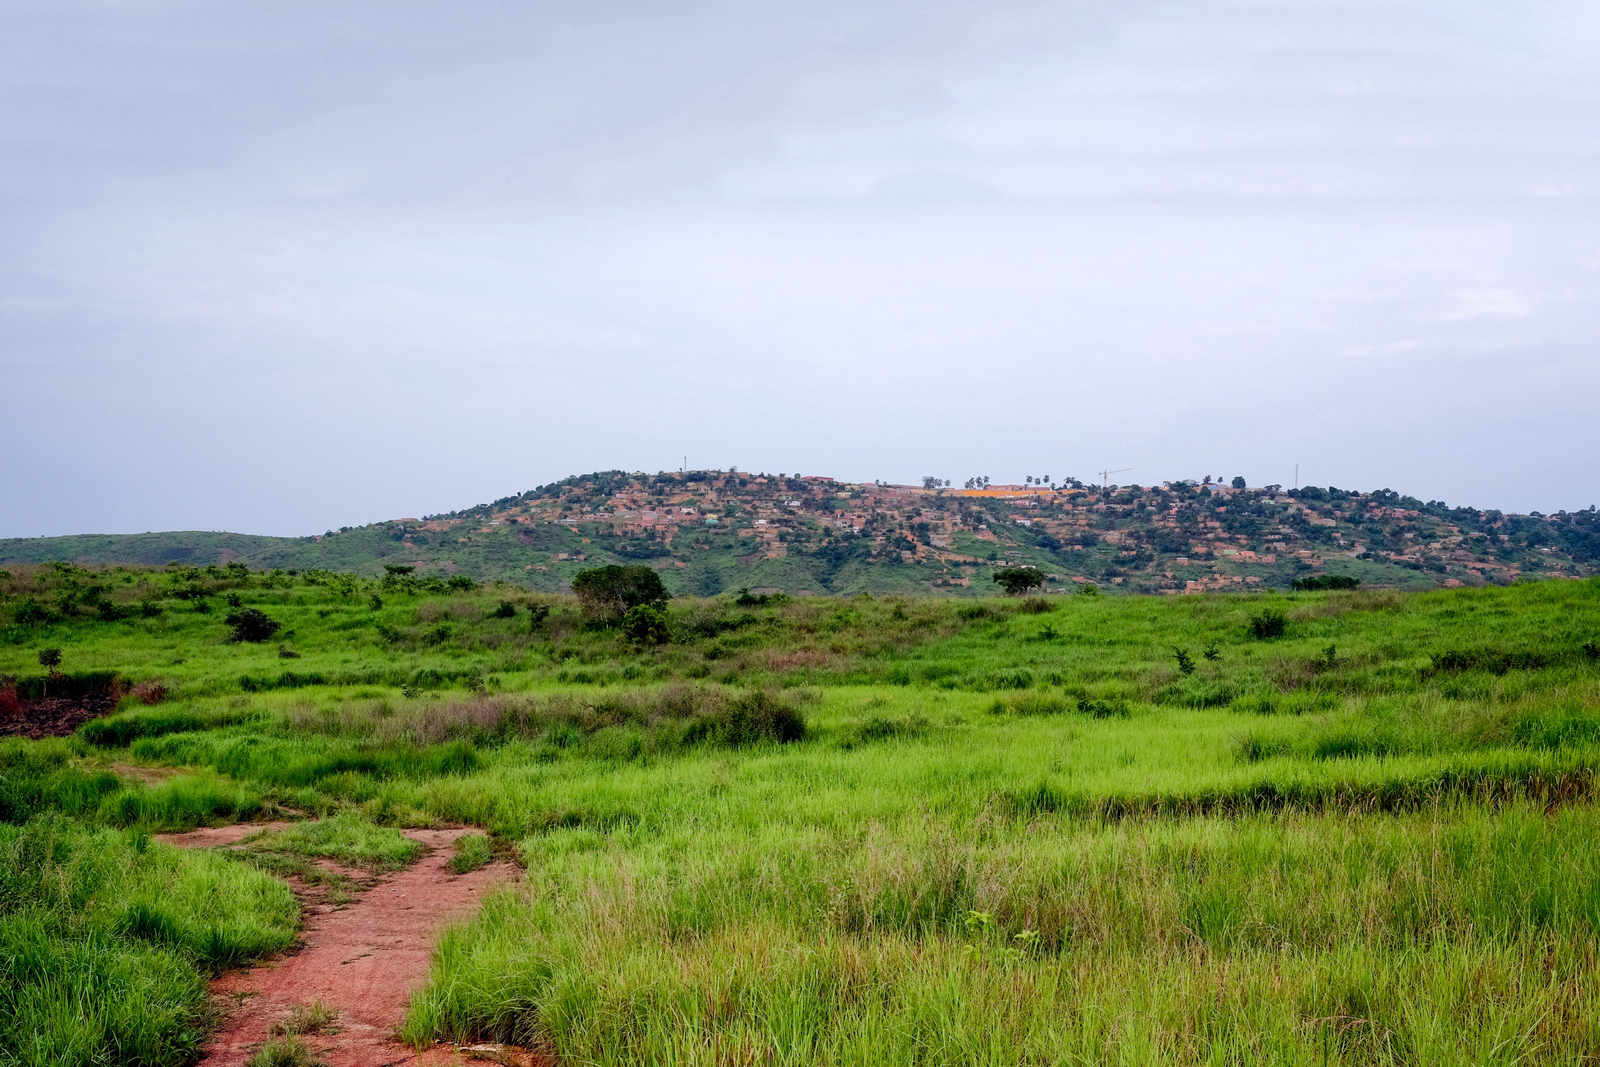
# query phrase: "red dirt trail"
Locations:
[[364, 960]]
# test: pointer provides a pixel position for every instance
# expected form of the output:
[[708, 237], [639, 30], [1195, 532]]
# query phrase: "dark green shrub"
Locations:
[[1318, 582], [1495, 661], [1018, 580], [749, 718], [32, 613], [608, 593], [1185, 662], [1105, 709], [506, 610], [251, 624], [1270, 623], [645, 625]]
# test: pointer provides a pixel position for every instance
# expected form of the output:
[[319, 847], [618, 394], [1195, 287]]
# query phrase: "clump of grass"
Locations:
[[318, 1017], [105, 936], [346, 838], [884, 728], [472, 851], [1038, 703], [1105, 708], [286, 1051]]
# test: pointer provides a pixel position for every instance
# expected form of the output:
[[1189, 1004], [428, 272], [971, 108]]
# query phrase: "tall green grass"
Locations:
[[1365, 938], [106, 937], [892, 830]]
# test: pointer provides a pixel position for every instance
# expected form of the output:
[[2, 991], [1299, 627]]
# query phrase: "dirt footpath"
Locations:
[[364, 960]]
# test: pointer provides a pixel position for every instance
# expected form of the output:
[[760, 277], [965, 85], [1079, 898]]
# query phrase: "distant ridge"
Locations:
[[713, 531]]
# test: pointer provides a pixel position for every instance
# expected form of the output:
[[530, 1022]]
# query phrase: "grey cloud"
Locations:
[[282, 266]]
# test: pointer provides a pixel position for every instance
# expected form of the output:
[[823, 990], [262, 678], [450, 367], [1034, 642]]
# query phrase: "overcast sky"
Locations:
[[278, 267]]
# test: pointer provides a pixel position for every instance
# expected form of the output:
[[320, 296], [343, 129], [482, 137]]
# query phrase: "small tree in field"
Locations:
[[50, 660], [606, 594], [1018, 580]]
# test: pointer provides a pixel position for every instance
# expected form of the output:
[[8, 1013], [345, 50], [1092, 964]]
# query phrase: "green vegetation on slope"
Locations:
[[710, 532], [886, 829]]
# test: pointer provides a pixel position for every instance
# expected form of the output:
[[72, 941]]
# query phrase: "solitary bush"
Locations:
[[1104, 709], [251, 624], [506, 610], [1269, 623], [751, 717], [608, 593]]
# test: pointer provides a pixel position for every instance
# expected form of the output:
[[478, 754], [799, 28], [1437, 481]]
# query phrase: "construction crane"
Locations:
[[1105, 476]]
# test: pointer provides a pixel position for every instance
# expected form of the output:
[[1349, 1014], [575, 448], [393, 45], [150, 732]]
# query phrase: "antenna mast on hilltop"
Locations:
[[1106, 475]]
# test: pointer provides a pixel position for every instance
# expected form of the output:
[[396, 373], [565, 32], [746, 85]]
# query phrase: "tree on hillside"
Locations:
[[50, 660], [607, 593], [1018, 580], [1239, 482]]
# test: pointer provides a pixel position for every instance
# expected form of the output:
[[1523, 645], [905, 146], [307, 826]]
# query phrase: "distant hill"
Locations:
[[711, 531]]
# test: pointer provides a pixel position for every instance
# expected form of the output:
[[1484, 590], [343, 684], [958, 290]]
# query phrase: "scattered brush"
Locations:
[[1492, 660]]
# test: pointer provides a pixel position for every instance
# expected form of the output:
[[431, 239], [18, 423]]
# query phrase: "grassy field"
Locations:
[[1073, 829]]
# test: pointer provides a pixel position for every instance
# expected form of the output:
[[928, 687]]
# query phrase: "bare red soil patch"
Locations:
[[363, 960], [216, 836]]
